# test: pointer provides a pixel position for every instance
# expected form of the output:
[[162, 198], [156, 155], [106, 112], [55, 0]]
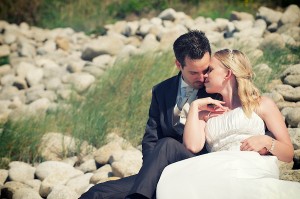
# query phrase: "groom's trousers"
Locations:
[[166, 151]]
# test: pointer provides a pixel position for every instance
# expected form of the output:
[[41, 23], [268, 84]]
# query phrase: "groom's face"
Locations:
[[194, 70]]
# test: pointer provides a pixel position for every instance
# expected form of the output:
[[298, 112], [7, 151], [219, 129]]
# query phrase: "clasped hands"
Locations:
[[208, 107], [255, 143]]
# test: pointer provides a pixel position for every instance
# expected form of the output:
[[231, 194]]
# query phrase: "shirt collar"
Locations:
[[183, 83]]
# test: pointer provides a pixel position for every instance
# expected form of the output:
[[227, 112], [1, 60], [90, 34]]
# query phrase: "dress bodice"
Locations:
[[226, 131]]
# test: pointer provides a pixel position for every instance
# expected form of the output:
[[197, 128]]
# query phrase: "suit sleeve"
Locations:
[[153, 129]]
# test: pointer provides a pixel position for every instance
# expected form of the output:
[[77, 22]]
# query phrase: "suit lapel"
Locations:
[[170, 98]]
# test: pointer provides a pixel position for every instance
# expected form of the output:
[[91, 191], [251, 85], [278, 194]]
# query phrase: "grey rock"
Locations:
[[269, 15], [53, 84], [126, 163], [263, 69], [56, 178], [290, 175], [103, 45], [288, 92], [103, 61], [88, 166], [19, 82], [240, 16], [149, 43], [56, 146], [93, 70], [33, 77], [273, 27], [35, 184], [63, 192], [295, 137], [27, 50], [23, 68], [5, 69], [275, 96], [292, 70], [290, 30], [103, 154], [80, 183], [47, 168], [285, 111], [273, 40], [291, 15], [3, 176], [293, 80], [4, 50], [297, 158], [10, 37], [80, 81], [48, 47], [11, 187], [103, 173], [10, 92], [20, 171], [168, 14], [75, 66], [26, 193], [38, 106], [293, 117]]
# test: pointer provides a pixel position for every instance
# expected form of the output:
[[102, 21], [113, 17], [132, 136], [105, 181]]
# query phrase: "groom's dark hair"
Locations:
[[193, 44]]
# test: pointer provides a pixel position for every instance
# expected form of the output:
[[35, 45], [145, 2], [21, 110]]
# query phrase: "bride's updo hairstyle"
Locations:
[[241, 68]]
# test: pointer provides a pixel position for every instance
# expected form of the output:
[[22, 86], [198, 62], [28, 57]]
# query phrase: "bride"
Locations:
[[236, 139]]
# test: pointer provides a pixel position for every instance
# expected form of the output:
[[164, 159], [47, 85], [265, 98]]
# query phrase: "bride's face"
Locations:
[[215, 77]]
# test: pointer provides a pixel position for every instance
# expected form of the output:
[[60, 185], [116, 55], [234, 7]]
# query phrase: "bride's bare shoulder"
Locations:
[[266, 105]]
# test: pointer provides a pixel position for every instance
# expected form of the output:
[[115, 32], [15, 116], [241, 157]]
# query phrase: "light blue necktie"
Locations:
[[186, 92]]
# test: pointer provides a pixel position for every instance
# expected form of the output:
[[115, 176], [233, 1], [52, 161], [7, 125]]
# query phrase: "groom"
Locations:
[[162, 141]]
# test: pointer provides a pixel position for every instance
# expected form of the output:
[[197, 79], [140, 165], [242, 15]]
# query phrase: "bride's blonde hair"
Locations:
[[239, 64]]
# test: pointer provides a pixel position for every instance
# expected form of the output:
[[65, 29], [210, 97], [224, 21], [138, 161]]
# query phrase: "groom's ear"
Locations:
[[178, 65]]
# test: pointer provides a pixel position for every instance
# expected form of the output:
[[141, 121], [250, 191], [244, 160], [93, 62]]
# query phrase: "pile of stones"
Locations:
[[46, 67]]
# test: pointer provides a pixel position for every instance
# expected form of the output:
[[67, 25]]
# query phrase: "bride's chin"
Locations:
[[209, 90]]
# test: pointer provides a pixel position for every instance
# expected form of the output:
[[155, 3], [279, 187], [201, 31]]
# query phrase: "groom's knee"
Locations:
[[167, 143], [114, 189], [173, 150], [93, 193]]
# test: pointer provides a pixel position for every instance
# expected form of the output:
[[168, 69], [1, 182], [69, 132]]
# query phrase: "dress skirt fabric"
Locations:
[[226, 174]]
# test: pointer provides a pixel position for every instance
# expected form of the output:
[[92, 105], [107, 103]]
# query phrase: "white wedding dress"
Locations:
[[227, 172]]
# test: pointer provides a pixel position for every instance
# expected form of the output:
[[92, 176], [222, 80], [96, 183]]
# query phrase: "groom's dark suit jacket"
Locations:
[[159, 124]]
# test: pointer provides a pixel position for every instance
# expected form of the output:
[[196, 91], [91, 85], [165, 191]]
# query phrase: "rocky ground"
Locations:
[[46, 66]]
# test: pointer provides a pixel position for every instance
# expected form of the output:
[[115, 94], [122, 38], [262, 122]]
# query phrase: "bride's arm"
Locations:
[[194, 136], [281, 146]]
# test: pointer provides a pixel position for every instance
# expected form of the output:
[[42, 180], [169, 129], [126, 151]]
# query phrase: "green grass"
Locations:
[[124, 93], [120, 100], [90, 16], [117, 103]]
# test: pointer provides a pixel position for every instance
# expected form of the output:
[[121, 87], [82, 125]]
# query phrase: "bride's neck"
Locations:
[[231, 98]]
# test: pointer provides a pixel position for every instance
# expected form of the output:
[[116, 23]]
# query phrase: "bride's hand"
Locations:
[[255, 143], [208, 108], [209, 104]]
